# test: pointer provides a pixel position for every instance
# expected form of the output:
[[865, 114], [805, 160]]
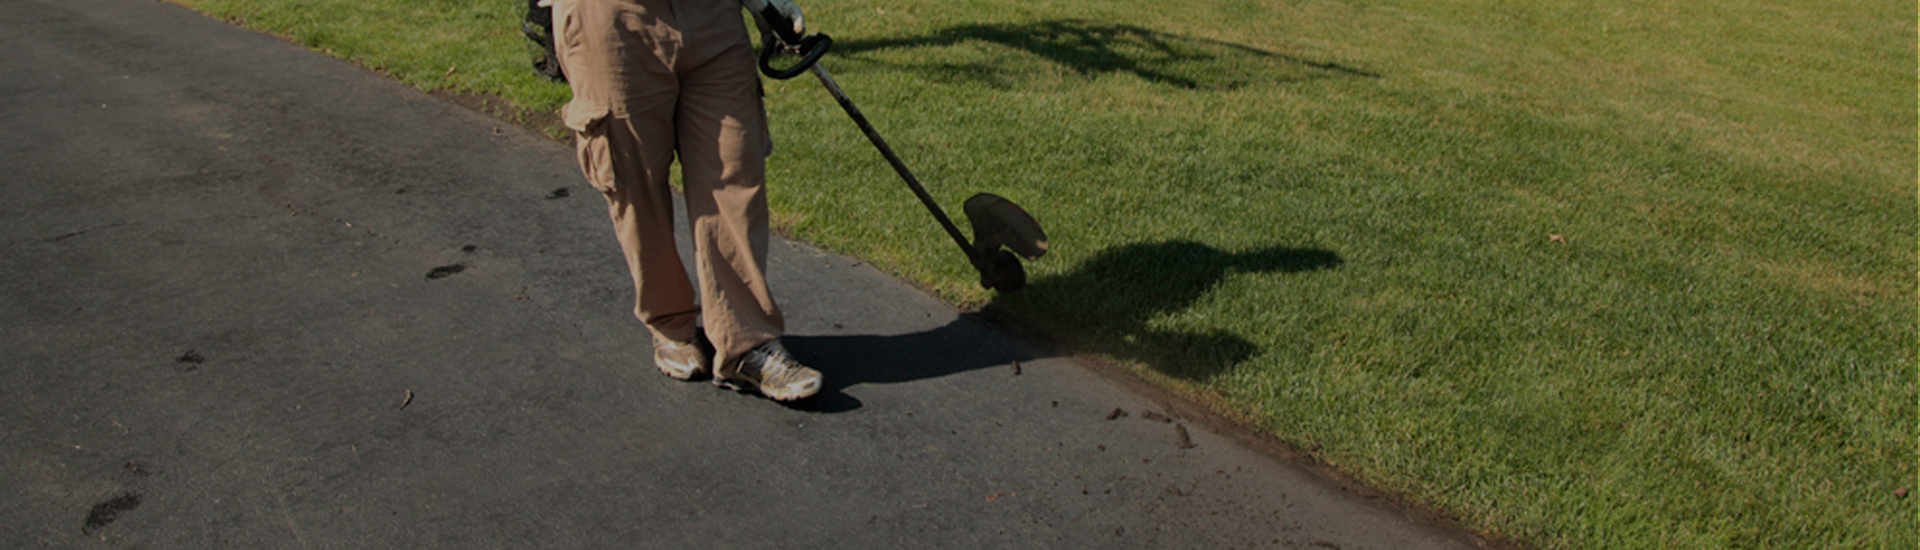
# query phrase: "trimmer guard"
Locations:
[[999, 222]]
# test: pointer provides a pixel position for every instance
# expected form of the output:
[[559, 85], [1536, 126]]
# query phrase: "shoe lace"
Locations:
[[773, 357]]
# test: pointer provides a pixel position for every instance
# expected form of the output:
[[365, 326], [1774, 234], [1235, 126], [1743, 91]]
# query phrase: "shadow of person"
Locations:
[[1090, 48], [1104, 305], [965, 344], [1107, 303]]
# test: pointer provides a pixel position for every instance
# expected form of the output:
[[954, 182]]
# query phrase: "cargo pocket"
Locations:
[[589, 125]]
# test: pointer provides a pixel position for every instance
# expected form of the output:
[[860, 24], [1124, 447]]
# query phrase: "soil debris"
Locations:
[[444, 271], [1117, 413], [104, 513], [188, 362]]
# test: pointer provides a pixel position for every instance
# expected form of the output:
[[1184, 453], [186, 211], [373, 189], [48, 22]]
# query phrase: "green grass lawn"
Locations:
[[1584, 274]]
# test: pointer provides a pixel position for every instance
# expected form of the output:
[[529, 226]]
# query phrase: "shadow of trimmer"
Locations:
[[1107, 303]]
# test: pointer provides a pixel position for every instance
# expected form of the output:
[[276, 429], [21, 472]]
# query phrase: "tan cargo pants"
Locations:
[[653, 79]]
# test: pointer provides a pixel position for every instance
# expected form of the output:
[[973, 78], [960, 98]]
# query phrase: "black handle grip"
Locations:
[[811, 49], [780, 25]]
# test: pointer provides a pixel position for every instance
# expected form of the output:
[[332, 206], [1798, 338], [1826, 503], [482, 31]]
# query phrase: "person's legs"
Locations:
[[723, 150], [643, 90], [622, 117], [723, 147]]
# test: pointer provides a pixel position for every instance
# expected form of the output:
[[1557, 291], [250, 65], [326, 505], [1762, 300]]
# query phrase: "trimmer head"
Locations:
[[998, 223]]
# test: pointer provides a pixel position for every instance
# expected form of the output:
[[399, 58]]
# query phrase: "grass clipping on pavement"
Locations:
[[1587, 275]]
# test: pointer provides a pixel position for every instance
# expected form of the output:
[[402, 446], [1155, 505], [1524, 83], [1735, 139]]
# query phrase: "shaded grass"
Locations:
[[1630, 274]]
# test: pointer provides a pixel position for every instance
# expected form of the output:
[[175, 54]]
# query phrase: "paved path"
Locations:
[[223, 329]]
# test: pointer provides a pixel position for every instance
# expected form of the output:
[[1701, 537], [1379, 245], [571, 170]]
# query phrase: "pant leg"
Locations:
[[723, 146], [617, 55]]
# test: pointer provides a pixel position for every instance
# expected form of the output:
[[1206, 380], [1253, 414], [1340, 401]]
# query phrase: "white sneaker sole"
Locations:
[[790, 392], [676, 369], [793, 392]]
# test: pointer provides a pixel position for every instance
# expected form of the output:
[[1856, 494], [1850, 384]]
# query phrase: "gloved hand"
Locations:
[[783, 11]]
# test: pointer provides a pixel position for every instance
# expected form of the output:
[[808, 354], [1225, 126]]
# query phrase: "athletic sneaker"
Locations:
[[773, 371], [680, 360]]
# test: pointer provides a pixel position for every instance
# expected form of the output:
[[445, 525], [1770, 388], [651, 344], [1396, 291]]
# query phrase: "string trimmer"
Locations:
[[998, 224]]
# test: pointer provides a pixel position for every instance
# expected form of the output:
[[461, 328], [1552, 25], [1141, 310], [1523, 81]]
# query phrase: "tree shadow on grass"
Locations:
[[1108, 303], [1092, 48]]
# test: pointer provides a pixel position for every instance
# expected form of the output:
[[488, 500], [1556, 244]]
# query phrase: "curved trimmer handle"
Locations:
[[810, 48]]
